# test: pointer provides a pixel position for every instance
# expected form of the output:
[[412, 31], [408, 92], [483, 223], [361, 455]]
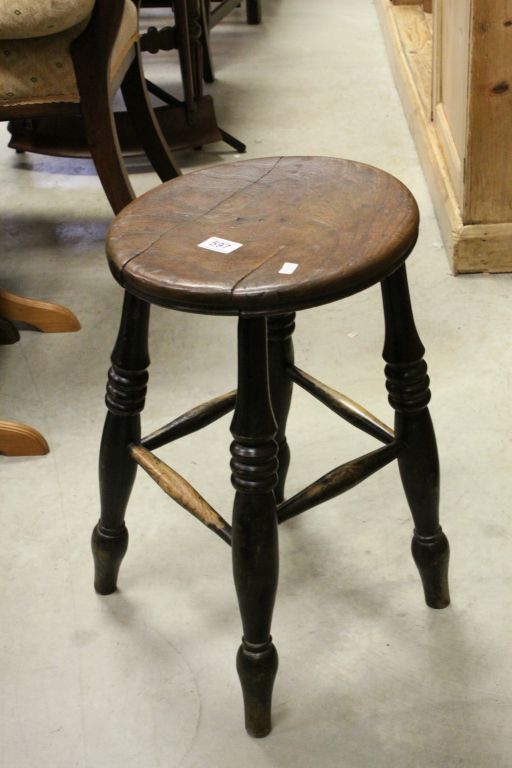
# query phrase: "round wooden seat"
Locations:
[[308, 230]]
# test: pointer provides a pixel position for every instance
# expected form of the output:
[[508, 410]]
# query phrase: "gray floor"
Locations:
[[369, 676]]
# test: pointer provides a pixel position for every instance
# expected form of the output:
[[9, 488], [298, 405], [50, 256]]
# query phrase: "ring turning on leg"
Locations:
[[126, 391]]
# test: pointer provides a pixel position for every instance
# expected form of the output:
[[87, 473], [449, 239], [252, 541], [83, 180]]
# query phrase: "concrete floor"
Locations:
[[369, 676]]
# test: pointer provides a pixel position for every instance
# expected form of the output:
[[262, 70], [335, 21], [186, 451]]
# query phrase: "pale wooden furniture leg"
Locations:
[[46, 317], [17, 439]]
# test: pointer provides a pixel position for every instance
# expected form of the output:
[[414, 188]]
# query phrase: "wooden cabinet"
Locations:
[[453, 68]]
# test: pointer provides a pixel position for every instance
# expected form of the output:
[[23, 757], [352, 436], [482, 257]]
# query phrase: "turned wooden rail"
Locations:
[[194, 419], [181, 491], [337, 481], [343, 406], [327, 487]]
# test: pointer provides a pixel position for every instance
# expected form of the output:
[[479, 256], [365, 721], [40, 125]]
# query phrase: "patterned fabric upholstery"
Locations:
[[20, 19], [40, 70]]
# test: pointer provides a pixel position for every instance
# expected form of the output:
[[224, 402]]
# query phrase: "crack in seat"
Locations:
[[346, 225]]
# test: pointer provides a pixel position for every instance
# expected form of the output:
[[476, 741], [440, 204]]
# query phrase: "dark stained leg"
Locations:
[[101, 132], [253, 11], [409, 395], [254, 530], [145, 123], [187, 16], [9, 334], [126, 391], [208, 70], [105, 151], [91, 60], [280, 357]]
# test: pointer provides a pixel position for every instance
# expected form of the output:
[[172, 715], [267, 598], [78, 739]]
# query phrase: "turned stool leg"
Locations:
[[280, 357], [254, 531], [409, 394], [126, 391]]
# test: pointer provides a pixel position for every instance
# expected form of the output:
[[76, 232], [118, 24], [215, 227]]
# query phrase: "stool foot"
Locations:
[[431, 555], [108, 549], [257, 669]]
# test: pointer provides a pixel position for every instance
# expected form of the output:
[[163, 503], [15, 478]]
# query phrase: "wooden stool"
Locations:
[[305, 231]]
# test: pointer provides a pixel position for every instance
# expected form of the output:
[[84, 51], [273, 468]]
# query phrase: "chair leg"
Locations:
[[280, 358], [145, 123], [409, 395], [17, 439], [253, 9], [46, 317], [126, 392], [100, 130], [254, 530]]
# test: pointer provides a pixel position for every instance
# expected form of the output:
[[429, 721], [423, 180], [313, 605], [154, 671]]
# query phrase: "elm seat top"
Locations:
[[343, 224]]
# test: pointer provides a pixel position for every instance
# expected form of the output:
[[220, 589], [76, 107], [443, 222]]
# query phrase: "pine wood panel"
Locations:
[[489, 165], [453, 68], [416, 41], [465, 143]]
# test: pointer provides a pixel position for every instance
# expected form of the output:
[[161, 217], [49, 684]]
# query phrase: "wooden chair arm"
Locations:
[[101, 33]]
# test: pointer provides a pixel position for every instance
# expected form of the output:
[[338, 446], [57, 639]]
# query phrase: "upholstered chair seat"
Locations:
[[35, 38], [20, 19]]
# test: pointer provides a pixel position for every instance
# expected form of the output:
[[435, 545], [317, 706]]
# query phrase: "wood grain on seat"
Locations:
[[344, 224]]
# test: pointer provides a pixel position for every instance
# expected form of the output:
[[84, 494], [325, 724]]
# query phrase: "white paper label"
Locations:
[[220, 245], [288, 268]]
